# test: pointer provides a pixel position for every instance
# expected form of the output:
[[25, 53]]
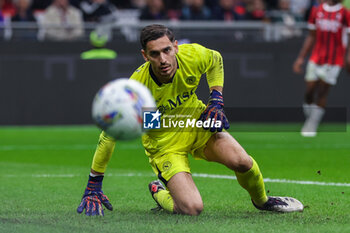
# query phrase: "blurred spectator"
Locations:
[[212, 4], [75, 3], [173, 9], [256, 10], [154, 10], [24, 11], [96, 10], [308, 11], [240, 10], [40, 5], [121, 4], [7, 8], [317, 2], [62, 21], [284, 15], [170, 4], [1, 4], [195, 10], [229, 10], [284, 7], [138, 3], [271, 4], [129, 4], [224, 11], [281, 12], [299, 7]]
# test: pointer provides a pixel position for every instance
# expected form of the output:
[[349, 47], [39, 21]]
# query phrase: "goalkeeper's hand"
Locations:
[[215, 112], [93, 198]]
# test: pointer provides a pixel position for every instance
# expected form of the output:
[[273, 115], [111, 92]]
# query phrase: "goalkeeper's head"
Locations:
[[154, 32], [159, 48]]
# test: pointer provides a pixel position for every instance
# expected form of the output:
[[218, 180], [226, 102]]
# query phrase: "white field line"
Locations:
[[269, 180], [199, 175]]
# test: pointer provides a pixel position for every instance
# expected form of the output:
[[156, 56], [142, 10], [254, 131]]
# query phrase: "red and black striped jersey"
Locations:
[[329, 23]]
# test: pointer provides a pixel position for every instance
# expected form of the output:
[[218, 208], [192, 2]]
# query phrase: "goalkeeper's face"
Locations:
[[161, 54]]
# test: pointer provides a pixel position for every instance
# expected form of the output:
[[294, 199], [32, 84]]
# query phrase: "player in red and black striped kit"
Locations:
[[326, 23]]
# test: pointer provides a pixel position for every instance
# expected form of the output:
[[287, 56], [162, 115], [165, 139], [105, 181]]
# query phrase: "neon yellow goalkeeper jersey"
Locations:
[[177, 99]]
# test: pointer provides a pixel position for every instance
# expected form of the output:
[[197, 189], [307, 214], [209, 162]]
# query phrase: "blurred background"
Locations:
[[55, 55]]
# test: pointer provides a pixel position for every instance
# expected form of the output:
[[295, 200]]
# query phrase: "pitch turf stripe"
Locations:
[[43, 176], [62, 147], [139, 146], [199, 175]]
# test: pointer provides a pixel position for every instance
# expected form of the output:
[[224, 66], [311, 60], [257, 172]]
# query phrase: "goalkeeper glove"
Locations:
[[93, 198], [215, 112]]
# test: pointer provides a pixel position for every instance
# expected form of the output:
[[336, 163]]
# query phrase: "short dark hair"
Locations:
[[154, 32]]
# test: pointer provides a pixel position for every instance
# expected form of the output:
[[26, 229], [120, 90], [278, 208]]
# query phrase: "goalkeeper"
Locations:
[[172, 73]]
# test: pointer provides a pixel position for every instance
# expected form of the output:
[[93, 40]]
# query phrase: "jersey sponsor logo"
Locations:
[[320, 14], [171, 104], [338, 16], [328, 25]]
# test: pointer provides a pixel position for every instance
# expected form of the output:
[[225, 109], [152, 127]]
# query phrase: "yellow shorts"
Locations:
[[170, 162]]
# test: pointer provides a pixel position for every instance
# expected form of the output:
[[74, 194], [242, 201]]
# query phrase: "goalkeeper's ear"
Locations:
[[176, 47], [143, 52]]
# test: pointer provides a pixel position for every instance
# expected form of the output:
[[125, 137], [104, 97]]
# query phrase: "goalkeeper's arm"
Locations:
[[103, 154], [215, 78], [215, 73], [94, 197]]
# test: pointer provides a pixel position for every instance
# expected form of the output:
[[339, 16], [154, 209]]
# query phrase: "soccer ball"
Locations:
[[118, 107]]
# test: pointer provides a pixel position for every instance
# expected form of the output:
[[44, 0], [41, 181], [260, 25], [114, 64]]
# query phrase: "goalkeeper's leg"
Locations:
[[224, 149], [182, 196]]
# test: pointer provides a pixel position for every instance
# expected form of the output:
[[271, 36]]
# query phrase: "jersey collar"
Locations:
[[153, 76], [334, 8]]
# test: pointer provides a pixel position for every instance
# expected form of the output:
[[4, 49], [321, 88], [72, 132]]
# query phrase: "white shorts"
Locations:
[[328, 73]]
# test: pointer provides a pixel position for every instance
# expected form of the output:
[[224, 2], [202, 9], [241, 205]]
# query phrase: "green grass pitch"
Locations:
[[44, 173]]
